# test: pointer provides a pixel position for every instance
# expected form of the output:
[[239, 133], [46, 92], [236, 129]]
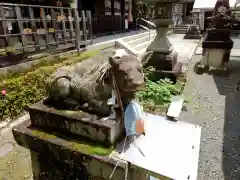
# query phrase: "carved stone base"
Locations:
[[166, 65], [193, 32], [163, 61], [200, 69], [216, 58], [60, 157], [91, 127]]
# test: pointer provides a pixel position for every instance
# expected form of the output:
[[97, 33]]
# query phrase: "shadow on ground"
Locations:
[[231, 138]]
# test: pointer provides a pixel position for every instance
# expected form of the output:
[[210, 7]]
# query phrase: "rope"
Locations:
[[114, 84], [126, 168], [115, 87]]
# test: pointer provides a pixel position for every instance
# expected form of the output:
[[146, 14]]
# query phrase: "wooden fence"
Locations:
[[30, 28]]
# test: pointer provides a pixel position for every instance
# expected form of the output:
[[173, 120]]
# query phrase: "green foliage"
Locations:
[[150, 73], [157, 94], [28, 88]]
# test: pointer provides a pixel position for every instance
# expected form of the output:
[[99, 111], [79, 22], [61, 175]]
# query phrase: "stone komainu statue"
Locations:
[[87, 85], [222, 17]]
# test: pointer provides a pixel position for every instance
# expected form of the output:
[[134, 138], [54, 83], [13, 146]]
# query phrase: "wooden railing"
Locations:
[[34, 28]]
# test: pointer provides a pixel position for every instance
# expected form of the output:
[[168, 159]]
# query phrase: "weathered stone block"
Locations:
[[216, 51], [91, 127], [215, 57], [60, 157], [166, 65]]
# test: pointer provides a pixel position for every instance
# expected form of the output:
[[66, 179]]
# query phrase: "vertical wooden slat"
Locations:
[[45, 26], [112, 8], [33, 24], [20, 26], [84, 26], [77, 30], [70, 20], [89, 18], [54, 24], [64, 26], [4, 26]]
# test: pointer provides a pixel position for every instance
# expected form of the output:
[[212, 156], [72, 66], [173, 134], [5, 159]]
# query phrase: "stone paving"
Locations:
[[15, 161]]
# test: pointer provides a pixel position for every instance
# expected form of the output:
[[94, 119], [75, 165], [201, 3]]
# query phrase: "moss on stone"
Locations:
[[69, 112], [76, 145], [43, 135]]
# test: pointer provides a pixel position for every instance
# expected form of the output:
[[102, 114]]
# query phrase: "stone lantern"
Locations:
[[193, 31], [164, 57], [217, 43]]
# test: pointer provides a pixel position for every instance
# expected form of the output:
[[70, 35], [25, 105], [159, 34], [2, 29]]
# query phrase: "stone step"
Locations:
[[130, 38], [182, 25], [180, 31], [142, 46], [138, 41], [87, 126]]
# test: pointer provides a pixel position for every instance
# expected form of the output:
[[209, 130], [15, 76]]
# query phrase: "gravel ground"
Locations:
[[15, 161], [214, 105]]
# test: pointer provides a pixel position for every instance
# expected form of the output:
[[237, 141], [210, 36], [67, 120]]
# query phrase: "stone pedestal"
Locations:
[[216, 46], [193, 32], [82, 124], [164, 57], [56, 156], [71, 145]]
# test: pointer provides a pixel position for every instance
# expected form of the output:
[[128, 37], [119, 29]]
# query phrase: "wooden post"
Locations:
[[112, 8], [122, 7], [54, 19], [70, 20], [20, 26], [77, 30], [4, 26], [64, 26], [43, 16], [84, 31], [89, 18], [33, 24]]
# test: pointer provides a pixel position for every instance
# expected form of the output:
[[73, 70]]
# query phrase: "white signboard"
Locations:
[[169, 149]]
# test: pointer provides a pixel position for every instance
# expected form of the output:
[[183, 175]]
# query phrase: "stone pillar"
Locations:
[[201, 20]]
